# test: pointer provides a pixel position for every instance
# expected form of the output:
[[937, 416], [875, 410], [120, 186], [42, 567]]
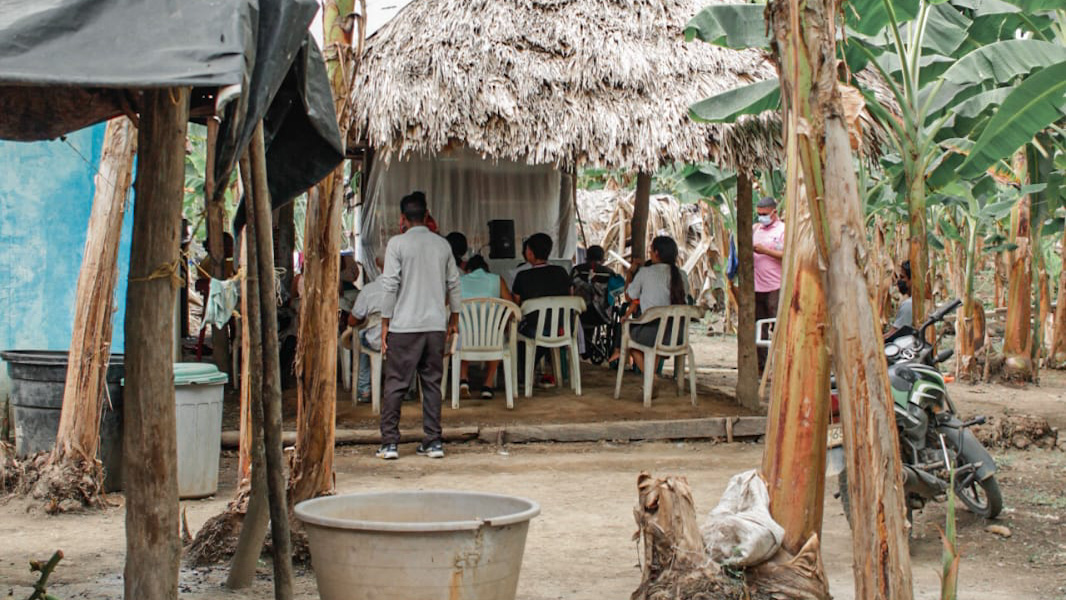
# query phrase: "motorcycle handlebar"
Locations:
[[944, 355], [944, 310]]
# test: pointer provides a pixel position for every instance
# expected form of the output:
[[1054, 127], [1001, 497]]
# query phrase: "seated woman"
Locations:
[[478, 282], [659, 284]]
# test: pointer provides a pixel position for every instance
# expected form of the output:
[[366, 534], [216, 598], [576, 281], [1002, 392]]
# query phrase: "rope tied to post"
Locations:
[[171, 271]]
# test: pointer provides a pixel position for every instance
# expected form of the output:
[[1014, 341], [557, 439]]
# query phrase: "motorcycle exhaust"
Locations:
[[922, 483]]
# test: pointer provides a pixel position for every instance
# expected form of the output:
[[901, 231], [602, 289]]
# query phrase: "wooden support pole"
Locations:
[[90, 343], [260, 233], [747, 359], [639, 224], [257, 516], [153, 547], [216, 217]]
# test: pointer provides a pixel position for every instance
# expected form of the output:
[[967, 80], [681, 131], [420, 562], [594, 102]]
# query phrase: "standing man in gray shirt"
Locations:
[[419, 279]]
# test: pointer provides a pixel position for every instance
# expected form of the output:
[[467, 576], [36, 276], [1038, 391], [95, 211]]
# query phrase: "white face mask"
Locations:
[[766, 219]]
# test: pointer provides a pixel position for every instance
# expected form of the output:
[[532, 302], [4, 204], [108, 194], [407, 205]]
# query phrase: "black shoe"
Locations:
[[388, 452], [433, 450], [486, 393]]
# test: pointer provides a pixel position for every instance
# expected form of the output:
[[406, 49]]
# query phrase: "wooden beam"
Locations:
[[747, 390], [253, 450], [153, 546], [639, 223], [216, 218], [260, 232]]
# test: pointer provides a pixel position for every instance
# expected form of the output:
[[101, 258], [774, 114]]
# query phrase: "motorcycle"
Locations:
[[932, 438]]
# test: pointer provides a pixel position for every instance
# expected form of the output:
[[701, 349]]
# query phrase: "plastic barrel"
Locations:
[[198, 393], [37, 381]]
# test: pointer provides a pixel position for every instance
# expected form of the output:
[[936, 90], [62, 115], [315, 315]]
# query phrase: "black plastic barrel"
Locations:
[[37, 381]]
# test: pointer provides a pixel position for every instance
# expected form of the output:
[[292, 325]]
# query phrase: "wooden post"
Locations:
[[153, 547], [286, 242], [90, 345], [216, 217], [747, 360], [260, 233], [639, 223], [256, 517]]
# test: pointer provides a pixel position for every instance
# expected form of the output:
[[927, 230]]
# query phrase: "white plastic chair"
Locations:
[[344, 349], [488, 329], [764, 332], [375, 365], [676, 345], [558, 315]]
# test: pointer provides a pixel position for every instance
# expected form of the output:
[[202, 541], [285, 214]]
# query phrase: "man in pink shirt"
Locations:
[[768, 240]]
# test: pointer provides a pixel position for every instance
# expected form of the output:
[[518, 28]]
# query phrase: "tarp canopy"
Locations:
[[66, 64]]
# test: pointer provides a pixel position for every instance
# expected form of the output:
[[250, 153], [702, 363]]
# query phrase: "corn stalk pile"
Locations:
[[698, 229]]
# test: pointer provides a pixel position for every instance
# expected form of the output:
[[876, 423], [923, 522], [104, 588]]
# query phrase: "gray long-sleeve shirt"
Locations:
[[419, 279]]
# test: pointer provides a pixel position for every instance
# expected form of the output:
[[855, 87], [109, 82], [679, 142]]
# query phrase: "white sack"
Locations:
[[740, 531]]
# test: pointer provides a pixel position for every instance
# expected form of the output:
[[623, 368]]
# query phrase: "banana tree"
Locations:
[[932, 57], [978, 208]]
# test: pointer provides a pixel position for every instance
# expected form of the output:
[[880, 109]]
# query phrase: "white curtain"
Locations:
[[464, 192]]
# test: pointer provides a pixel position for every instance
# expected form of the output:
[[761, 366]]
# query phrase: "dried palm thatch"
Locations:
[[607, 217], [592, 82]]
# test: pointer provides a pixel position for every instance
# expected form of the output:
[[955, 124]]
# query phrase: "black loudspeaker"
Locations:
[[501, 238]]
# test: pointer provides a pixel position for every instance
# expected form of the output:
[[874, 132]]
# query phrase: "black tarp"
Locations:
[[66, 64]]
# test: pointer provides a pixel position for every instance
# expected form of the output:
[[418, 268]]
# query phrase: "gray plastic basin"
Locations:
[[420, 545]]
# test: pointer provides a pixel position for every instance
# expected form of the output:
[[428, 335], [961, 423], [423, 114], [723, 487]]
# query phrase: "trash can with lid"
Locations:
[[198, 391]]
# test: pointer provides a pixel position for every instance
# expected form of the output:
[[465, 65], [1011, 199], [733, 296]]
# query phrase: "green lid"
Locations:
[[198, 374]]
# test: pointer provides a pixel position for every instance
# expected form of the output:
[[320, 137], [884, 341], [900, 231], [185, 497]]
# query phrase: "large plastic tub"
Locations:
[[424, 545], [37, 381], [198, 392]]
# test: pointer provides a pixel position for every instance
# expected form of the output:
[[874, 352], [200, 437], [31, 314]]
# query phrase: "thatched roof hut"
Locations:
[[596, 82]]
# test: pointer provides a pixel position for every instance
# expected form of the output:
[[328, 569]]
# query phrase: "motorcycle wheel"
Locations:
[[982, 498], [845, 503], [845, 500]]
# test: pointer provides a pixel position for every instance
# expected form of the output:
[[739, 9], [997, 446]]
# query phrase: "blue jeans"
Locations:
[[363, 385]]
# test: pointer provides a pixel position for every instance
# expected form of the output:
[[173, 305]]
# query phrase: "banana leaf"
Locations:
[[1031, 106], [731, 25], [748, 100]]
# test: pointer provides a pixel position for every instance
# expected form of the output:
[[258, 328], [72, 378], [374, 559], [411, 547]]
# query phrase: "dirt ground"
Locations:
[[580, 547]]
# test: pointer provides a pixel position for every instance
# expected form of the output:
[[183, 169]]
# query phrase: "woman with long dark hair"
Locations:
[[659, 284]]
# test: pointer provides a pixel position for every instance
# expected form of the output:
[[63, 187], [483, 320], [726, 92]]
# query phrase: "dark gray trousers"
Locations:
[[765, 308], [408, 353]]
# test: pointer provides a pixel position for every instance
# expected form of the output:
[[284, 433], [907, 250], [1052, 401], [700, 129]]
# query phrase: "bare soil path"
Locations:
[[580, 547]]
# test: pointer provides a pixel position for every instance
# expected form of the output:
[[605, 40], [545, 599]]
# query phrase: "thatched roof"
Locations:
[[602, 82]]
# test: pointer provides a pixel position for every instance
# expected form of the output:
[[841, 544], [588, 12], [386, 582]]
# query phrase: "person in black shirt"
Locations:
[[539, 280]]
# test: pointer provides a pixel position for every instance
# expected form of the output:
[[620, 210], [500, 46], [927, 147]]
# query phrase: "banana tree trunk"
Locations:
[[90, 346], [1017, 341], [798, 418], [918, 251], [316, 352], [747, 389], [803, 38], [966, 344], [1057, 354]]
